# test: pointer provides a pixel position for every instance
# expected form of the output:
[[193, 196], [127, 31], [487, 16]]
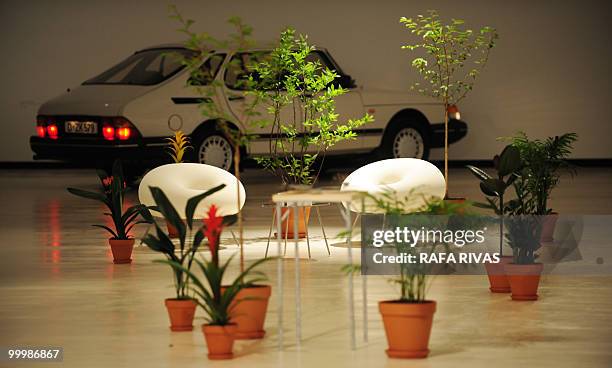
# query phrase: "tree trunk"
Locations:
[[240, 230], [445, 150]]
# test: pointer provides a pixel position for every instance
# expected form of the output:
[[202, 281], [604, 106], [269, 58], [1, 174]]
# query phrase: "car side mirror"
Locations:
[[345, 81]]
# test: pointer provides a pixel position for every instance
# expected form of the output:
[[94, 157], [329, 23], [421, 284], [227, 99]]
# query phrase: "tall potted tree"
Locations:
[[453, 57], [181, 309], [251, 311], [506, 165], [121, 242], [544, 161], [286, 78]]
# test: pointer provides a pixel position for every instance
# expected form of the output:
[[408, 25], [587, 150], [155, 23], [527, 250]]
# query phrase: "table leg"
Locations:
[[323, 230], [307, 235], [364, 288], [349, 225], [298, 302], [279, 275], [270, 232]]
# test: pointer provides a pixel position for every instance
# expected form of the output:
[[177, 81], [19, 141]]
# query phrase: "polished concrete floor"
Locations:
[[58, 287]]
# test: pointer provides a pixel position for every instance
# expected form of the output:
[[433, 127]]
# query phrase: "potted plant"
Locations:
[[217, 300], [453, 58], [286, 79], [506, 166], [121, 242], [543, 161], [523, 235], [177, 147], [251, 310], [181, 309], [408, 320]]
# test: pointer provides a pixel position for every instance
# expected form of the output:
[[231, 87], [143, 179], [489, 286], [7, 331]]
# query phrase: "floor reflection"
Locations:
[[50, 232]]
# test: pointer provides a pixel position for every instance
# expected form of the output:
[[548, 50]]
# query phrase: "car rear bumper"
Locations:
[[94, 152], [457, 129]]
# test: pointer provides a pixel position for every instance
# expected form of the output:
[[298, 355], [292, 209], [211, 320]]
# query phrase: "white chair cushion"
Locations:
[[185, 180], [405, 178]]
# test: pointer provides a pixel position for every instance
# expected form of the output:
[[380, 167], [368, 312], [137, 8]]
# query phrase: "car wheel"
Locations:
[[405, 140], [214, 149]]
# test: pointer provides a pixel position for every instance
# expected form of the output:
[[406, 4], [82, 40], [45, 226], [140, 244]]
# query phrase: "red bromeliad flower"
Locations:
[[106, 182], [214, 225]]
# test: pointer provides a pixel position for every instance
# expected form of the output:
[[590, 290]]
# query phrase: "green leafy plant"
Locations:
[[507, 164], [524, 237], [413, 277], [435, 213], [286, 77], [161, 242], [543, 162], [113, 198], [179, 144], [212, 296], [453, 57]]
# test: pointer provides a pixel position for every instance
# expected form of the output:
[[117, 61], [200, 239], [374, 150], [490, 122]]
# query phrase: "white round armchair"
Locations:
[[411, 180], [185, 180]]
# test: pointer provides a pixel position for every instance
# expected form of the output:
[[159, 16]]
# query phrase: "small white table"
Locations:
[[296, 199]]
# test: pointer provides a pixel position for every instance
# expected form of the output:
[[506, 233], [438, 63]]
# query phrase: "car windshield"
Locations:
[[144, 68]]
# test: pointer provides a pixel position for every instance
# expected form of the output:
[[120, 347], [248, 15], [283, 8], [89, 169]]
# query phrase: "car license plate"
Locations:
[[81, 127]]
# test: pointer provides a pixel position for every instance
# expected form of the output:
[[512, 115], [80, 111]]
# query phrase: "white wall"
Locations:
[[550, 73]]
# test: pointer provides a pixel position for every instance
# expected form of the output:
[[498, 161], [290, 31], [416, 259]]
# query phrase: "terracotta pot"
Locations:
[[497, 275], [524, 280], [408, 327], [181, 312], [460, 211], [548, 227], [289, 224], [219, 340], [122, 250], [249, 311]]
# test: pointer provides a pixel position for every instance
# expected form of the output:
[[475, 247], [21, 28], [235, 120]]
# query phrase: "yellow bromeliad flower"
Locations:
[[178, 145]]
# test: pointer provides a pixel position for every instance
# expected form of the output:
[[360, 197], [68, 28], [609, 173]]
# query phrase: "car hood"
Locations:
[[373, 97], [102, 100]]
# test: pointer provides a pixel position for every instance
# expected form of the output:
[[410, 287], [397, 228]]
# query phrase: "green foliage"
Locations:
[[543, 162], [435, 213], [524, 237], [179, 144], [451, 58], [113, 197], [507, 165], [161, 242], [284, 78], [532, 168], [453, 55], [214, 298]]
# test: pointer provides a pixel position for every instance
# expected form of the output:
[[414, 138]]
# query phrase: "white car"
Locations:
[[127, 112]]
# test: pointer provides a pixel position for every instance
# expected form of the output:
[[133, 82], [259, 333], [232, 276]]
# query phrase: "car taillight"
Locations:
[[124, 133], [453, 112], [108, 132], [52, 131], [124, 129], [40, 130]]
